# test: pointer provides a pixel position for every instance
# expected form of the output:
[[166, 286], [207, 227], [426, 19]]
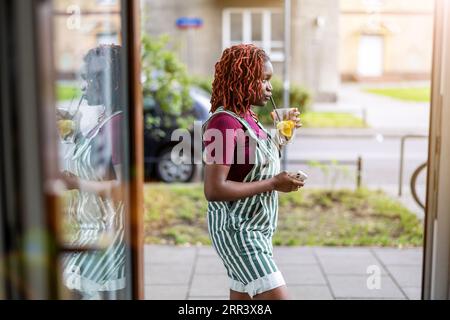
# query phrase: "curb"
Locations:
[[360, 133]]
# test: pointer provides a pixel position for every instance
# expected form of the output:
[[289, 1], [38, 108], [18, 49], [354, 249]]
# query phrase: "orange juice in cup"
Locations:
[[284, 126]]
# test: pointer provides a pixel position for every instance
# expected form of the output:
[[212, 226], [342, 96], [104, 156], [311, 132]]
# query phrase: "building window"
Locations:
[[264, 27], [107, 2]]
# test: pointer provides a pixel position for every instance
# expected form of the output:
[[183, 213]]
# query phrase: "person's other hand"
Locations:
[[293, 115], [62, 114], [284, 182], [70, 180]]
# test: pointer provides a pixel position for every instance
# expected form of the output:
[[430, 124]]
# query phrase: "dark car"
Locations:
[[157, 139]]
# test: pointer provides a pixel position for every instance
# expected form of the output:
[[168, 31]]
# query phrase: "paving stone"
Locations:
[[209, 285], [407, 276], [302, 274], [168, 274], [168, 254], [209, 265], [165, 292], [356, 287], [294, 255], [309, 292], [206, 251], [413, 293], [349, 264], [392, 256], [343, 251]]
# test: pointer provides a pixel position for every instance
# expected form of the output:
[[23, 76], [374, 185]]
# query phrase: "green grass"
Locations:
[[331, 120], [405, 94], [67, 92], [176, 214]]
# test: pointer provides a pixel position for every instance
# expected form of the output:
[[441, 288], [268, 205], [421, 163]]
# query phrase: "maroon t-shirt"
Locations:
[[107, 147], [228, 155]]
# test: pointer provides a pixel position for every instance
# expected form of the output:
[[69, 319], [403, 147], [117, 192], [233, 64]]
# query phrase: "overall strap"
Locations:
[[250, 130]]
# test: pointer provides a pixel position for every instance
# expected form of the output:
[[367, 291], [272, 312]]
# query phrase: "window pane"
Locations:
[[256, 26], [277, 26], [90, 113], [236, 27]]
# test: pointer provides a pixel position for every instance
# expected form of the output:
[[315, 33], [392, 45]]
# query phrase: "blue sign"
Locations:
[[186, 23]]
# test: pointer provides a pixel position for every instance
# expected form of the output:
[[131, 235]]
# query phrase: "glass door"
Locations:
[[72, 170], [92, 113]]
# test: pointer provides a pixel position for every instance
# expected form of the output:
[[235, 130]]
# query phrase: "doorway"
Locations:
[[370, 56]]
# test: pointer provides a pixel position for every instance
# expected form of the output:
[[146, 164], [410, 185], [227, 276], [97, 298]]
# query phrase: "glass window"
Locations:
[[261, 26], [257, 27], [236, 26], [90, 113], [277, 25]]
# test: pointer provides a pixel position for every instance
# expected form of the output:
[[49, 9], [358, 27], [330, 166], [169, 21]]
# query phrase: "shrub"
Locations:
[[165, 79]]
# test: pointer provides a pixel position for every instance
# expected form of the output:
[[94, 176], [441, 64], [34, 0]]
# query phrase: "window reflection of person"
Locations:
[[95, 171]]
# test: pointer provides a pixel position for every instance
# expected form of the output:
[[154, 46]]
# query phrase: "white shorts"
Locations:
[[260, 285]]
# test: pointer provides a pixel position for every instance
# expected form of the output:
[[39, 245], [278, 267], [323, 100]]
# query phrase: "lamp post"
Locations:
[[286, 64]]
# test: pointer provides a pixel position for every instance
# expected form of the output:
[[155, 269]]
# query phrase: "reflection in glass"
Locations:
[[93, 169], [89, 112]]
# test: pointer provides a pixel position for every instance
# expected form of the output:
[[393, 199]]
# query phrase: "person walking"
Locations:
[[242, 174]]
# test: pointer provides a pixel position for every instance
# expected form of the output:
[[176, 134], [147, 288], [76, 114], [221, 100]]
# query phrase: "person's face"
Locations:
[[91, 87], [266, 87]]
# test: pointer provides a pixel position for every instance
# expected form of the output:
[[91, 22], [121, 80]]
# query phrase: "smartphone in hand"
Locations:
[[300, 175]]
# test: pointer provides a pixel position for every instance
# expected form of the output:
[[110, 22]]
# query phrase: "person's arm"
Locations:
[[218, 188], [105, 189]]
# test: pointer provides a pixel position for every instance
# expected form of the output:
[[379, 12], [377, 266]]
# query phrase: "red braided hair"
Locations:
[[237, 80]]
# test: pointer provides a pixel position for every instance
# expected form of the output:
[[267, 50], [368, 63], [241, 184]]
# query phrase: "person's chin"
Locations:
[[260, 103]]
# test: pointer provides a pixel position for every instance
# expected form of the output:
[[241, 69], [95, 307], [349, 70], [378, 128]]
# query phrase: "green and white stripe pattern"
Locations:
[[100, 222], [241, 231]]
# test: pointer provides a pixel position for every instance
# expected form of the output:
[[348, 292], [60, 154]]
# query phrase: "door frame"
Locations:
[[436, 254], [132, 39]]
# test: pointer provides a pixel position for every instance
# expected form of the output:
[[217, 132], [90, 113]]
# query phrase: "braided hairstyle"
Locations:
[[237, 79], [103, 73]]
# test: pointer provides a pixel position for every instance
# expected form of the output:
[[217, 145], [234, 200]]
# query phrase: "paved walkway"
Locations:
[[319, 273]]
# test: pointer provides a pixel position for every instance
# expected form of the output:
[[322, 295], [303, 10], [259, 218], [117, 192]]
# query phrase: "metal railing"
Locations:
[[358, 163], [402, 156], [413, 184]]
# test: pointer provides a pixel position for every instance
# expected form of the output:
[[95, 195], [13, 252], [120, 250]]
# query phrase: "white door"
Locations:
[[370, 56]]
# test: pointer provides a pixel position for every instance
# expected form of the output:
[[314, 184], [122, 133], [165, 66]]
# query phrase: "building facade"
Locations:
[[314, 35], [385, 40]]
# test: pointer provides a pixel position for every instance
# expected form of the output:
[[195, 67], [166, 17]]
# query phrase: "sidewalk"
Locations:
[[381, 112], [319, 273], [364, 133]]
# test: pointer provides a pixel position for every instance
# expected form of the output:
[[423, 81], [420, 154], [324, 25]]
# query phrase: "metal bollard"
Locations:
[[358, 172]]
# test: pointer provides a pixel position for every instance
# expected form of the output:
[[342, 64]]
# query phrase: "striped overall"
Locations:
[[241, 231], [96, 218]]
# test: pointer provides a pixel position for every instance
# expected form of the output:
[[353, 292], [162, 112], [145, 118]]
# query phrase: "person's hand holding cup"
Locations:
[[286, 120]]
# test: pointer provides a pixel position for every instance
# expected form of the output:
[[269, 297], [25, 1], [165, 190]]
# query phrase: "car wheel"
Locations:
[[168, 171]]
